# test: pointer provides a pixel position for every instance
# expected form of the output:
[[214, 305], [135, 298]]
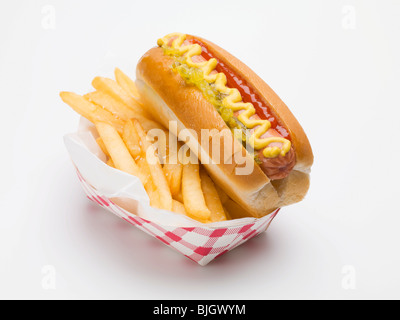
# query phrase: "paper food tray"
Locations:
[[125, 196]]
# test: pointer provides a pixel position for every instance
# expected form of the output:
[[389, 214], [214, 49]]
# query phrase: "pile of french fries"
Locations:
[[122, 122]]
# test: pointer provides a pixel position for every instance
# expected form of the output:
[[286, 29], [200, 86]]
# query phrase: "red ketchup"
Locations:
[[247, 92]]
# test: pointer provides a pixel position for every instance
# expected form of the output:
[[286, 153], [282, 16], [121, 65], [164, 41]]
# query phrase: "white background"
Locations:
[[334, 63]]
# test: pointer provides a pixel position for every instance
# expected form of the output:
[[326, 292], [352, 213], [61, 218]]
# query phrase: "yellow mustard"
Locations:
[[232, 98]]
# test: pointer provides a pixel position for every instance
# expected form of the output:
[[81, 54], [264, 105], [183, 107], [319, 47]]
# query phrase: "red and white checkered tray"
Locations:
[[199, 242]]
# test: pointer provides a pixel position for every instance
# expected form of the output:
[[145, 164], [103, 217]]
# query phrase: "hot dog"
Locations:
[[201, 86]]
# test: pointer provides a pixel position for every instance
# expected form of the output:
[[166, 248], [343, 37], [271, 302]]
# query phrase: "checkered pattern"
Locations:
[[200, 244]]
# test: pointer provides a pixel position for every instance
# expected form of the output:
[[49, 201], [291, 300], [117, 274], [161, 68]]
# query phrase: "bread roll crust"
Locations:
[[169, 97]]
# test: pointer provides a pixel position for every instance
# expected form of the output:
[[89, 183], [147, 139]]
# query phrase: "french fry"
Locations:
[[193, 198], [173, 174], [160, 138], [153, 195], [121, 110], [179, 196], [91, 111], [173, 169], [126, 83], [156, 171], [150, 188], [110, 163], [131, 139], [148, 124], [211, 197], [119, 153], [102, 146], [178, 207], [133, 143], [144, 167], [116, 107], [113, 89]]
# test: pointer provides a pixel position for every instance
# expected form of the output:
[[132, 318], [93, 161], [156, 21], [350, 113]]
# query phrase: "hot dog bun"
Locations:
[[170, 98]]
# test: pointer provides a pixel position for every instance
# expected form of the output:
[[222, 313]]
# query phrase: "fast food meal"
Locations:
[[201, 86], [251, 154]]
